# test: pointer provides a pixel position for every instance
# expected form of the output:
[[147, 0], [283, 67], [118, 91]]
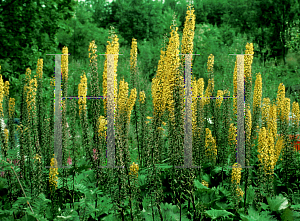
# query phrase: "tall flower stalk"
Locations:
[[53, 174], [96, 108], [142, 101], [133, 77], [256, 111], [158, 90], [64, 93], [174, 96], [4, 135], [125, 106], [235, 181]]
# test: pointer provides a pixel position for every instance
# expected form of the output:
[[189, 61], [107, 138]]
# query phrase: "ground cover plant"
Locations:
[[149, 138]]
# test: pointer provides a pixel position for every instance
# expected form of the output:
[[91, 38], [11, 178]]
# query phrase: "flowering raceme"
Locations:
[[53, 173]]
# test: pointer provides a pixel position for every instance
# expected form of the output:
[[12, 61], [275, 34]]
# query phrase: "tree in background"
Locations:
[[266, 21], [28, 31]]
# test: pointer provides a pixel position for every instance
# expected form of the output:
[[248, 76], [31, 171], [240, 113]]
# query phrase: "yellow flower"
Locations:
[[280, 100], [279, 146], [236, 173], [134, 168], [142, 97], [92, 48], [272, 122], [131, 101], [257, 91], [248, 60], [295, 113], [39, 69], [235, 88], [210, 145], [220, 98], [188, 33], [239, 192], [111, 48], [64, 64], [160, 128], [265, 111], [6, 135], [210, 63], [53, 173], [37, 157], [102, 126], [232, 134], [6, 88], [82, 92], [208, 91], [11, 106], [204, 183]]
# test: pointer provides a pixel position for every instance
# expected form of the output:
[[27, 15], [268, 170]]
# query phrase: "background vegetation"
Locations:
[[31, 29], [222, 28]]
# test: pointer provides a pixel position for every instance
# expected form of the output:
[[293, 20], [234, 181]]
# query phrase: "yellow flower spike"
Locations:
[[220, 98], [236, 173], [239, 192], [6, 88], [82, 92], [37, 157], [142, 97], [210, 145], [208, 91], [131, 101], [248, 123], [53, 173], [280, 100], [39, 69], [235, 88], [6, 135], [188, 33], [265, 111], [133, 59], [210, 63], [111, 48], [134, 168], [295, 113], [204, 183], [272, 122], [11, 106], [248, 61], [64, 64], [232, 134], [102, 126], [286, 105], [257, 91]]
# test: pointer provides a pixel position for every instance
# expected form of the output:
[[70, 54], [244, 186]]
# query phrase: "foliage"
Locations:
[[159, 191]]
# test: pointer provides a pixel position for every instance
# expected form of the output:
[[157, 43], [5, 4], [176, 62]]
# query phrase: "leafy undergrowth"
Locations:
[[211, 203]]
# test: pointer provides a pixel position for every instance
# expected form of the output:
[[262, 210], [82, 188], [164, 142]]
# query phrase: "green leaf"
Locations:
[[287, 215], [296, 206], [200, 186], [222, 205], [250, 194], [214, 214], [206, 177], [264, 206], [277, 204], [217, 169]]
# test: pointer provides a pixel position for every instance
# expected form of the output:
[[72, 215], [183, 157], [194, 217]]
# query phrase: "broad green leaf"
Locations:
[[277, 204], [214, 214]]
